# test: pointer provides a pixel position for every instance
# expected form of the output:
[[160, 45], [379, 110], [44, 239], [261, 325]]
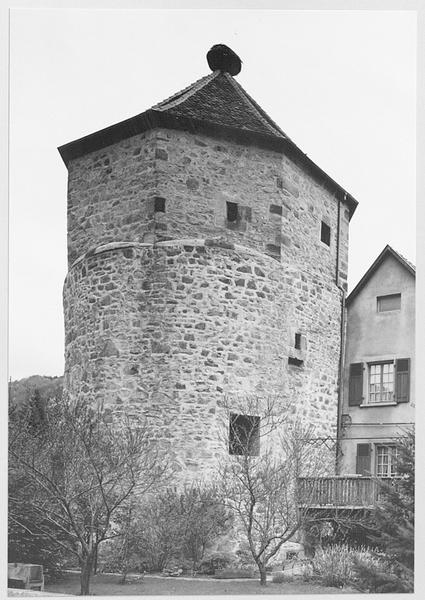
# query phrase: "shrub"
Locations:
[[338, 565], [112, 562], [373, 574], [394, 517], [333, 565], [217, 561], [183, 565], [177, 527]]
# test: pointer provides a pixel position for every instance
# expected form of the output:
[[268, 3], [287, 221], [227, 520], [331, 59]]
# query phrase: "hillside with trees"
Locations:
[[21, 391]]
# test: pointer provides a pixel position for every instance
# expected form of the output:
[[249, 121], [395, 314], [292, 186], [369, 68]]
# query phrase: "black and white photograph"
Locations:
[[211, 301]]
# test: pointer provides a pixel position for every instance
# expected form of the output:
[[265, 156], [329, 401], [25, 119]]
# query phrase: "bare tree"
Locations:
[[177, 526], [205, 520], [267, 454], [84, 467]]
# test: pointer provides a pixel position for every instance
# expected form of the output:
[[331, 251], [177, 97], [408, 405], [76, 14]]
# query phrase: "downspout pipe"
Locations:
[[338, 235], [342, 343], [340, 383]]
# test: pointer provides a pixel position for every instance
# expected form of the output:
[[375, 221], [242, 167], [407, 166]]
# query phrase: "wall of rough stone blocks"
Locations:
[[177, 310], [111, 196]]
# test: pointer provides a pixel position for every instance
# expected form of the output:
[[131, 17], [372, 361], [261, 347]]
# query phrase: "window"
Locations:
[[275, 209], [273, 250], [298, 341], [381, 382], [296, 362], [232, 212], [386, 461], [390, 302], [244, 435], [325, 234], [237, 216], [159, 204], [386, 381]]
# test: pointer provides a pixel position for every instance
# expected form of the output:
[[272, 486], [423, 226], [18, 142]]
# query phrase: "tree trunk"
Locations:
[[95, 562], [124, 571], [263, 575], [124, 576], [125, 548], [86, 564]]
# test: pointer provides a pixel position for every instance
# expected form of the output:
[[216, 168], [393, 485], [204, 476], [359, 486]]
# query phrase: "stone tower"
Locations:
[[207, 259]]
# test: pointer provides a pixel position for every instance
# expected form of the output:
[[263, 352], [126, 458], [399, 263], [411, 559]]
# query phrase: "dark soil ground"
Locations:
[[108, 585]]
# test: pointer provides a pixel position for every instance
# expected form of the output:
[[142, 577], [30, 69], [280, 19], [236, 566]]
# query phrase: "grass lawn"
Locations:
[[107, 585]]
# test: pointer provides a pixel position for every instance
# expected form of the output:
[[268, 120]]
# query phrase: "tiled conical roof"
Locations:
[[219, 99]]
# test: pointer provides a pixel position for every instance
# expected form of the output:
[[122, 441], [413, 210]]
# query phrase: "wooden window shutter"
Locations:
[[402, 379], [363, 459], [355, 387]]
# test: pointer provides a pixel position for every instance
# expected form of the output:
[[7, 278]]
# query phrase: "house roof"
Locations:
[[387, 251], [216, 105]]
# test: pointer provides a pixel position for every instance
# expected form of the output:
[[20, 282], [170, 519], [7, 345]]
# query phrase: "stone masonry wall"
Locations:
[[170, 308], [112, 192], [171, 330]]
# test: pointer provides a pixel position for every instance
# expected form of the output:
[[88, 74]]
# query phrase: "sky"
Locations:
[[341, 84]]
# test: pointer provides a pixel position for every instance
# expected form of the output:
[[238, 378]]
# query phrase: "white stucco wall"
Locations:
[[374, 336]]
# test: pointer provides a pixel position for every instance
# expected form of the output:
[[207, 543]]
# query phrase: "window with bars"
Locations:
[[381, 383], [386, 461]]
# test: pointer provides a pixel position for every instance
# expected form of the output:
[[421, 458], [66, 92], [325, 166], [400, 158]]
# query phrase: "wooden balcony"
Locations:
[[346, 492]]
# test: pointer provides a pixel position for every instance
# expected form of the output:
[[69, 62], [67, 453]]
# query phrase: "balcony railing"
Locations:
[[338, 492]]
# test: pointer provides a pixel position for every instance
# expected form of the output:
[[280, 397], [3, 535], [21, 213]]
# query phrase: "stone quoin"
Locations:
[[207, 260]]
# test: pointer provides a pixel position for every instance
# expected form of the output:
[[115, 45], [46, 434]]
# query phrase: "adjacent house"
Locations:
[[378, 393]]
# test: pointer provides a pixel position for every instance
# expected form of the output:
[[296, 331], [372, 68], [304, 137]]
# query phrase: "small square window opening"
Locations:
[[232, 212], [159, 205], [390, 302], [325, 234], [275, 209], [273, 250], [295, 362]]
